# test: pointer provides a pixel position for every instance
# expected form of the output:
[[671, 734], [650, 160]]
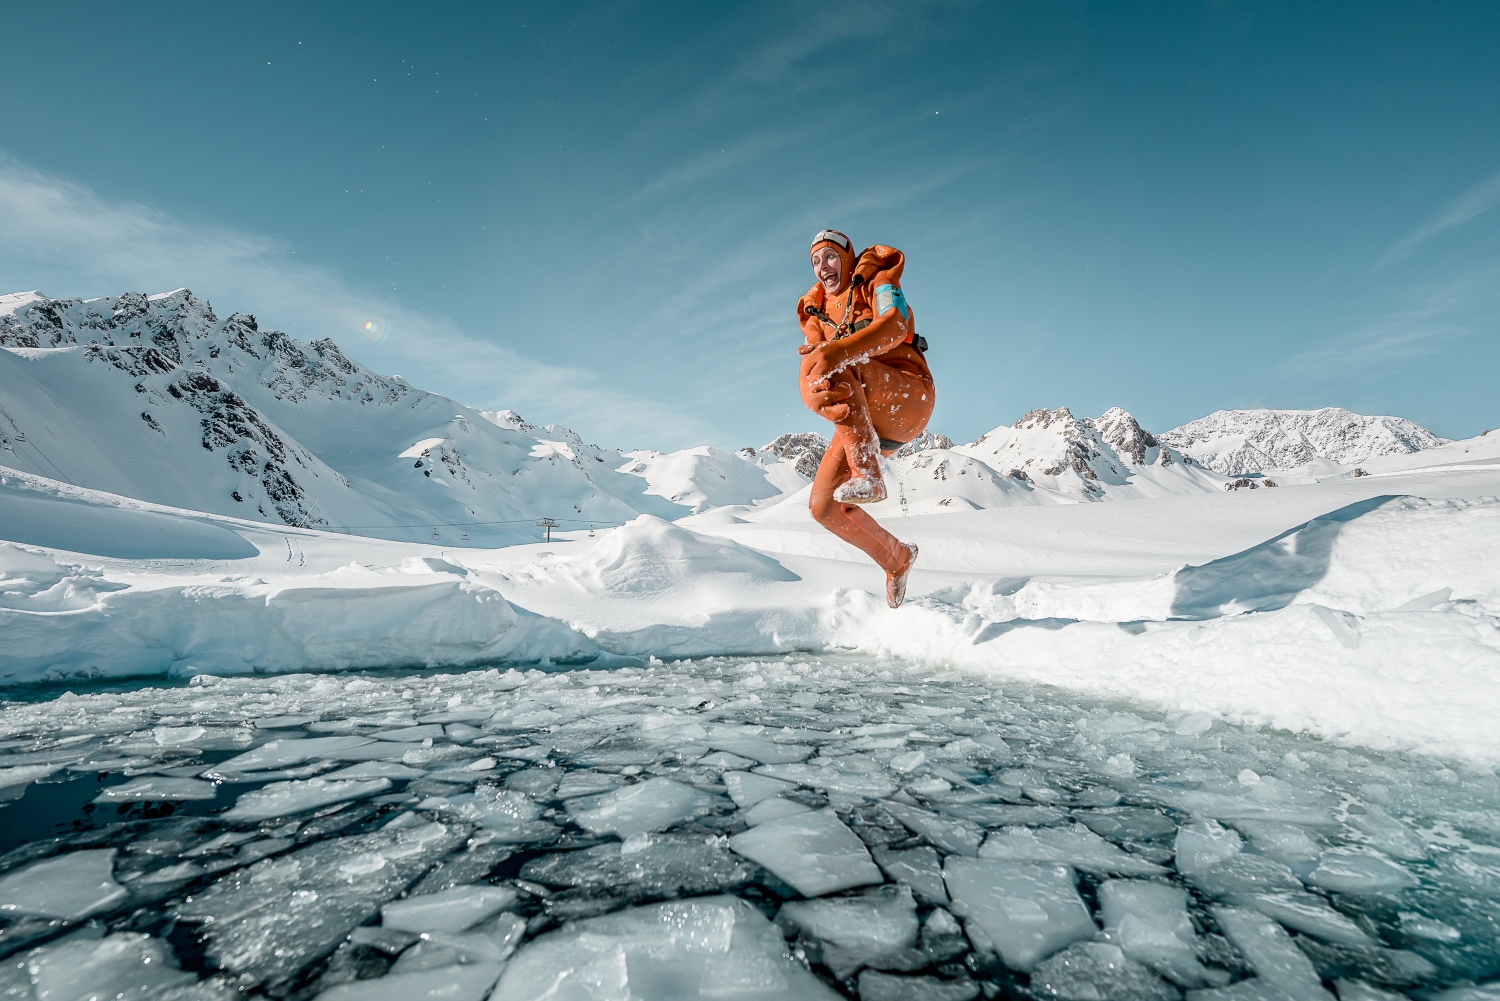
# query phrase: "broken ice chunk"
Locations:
[[1271, 953], [70, 886], [281, 799], [449, 983], [723, 759], [1309, 914], [1204, 844], [1245, 875], [952, 834], [17, 777], [1125, 824], [1073, 844], [508, 816], [281, 753], [709, 947], [1358, 990], [1348, 871], [1004, 814], [1096, 970], [1387, 833], [918, 868], [667, 865], [1252, 989], [772, 809], [377, 770], [1022, 911], [158, 788], [754, 742], [447, 910], [270, 921], [856, 931], [122, 965], [877, 986], [747, 788], [585, 782], [1150, 923], [1288, 844], [833, 778], [653, 805], [814, 852], [411, 733]]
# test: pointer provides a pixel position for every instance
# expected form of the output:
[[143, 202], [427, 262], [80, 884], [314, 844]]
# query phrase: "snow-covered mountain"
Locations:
[[1046, 457], [1235, 442], [157, 398]]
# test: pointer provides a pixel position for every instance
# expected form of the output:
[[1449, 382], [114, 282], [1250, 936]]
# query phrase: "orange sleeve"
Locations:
[[812, 329]]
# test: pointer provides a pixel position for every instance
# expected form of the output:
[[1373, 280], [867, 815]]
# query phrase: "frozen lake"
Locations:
[[797, 827]]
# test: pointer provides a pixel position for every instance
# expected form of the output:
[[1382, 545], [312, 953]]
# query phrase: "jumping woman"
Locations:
[[863, 369]]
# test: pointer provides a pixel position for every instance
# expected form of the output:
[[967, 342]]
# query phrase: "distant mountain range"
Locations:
[[1236, 442], [156, 397]]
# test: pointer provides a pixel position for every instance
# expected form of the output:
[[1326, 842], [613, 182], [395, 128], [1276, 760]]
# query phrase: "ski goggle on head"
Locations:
[[834, 237]]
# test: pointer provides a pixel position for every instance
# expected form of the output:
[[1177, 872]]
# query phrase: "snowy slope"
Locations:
[[1235, 442], [1332, 608], [157, 398]]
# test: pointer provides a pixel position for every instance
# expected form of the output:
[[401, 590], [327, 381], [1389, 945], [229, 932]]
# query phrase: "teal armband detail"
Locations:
[[888, 297]]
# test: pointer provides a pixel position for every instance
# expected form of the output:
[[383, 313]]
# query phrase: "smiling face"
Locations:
[[828, 267]]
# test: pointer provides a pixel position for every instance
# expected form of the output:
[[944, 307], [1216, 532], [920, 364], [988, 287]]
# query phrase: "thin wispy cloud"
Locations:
[[51, 224], [1478, 200], [1435, 316]]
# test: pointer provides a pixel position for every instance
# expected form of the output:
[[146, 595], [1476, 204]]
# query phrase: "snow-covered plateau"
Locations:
[[1151, 720]]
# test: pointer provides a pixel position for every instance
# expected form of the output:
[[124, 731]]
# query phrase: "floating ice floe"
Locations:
[[871, 929], [1150, 923], [281, 753], [71, 886], [1349, 871], [952, 834], [773, 809], [158, 788], [815, 852], [1073, 844], [470, 982], [747, 788], [1272, 954], [120, 965], [269, 921], [661, 864], [1021, 911], [653, 805], [447, 910], [282, 799], [1098, 970], [706, 947]]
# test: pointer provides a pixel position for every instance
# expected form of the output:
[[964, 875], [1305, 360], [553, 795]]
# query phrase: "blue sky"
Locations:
[[597, 214]]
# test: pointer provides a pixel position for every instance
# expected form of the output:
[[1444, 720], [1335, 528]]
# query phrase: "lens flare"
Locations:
[[374, 329]]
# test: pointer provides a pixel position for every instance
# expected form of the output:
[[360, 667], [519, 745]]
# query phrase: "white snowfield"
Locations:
[[1364, 609], [170, 482]]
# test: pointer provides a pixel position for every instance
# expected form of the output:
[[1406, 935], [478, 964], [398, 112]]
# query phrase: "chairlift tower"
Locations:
[[549, 524]]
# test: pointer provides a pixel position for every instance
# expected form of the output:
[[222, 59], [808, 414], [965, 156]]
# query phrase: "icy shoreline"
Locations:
[[1366, 619]]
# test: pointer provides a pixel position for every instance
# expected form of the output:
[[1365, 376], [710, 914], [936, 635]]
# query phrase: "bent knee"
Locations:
[[824, 508]]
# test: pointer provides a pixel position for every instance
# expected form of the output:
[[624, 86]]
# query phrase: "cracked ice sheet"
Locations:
[[708, 947]]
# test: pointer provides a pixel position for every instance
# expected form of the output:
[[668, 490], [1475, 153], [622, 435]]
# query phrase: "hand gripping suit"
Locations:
[[862, 370]]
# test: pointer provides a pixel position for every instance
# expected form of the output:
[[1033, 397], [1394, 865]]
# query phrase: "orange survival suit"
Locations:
[[863, 370]]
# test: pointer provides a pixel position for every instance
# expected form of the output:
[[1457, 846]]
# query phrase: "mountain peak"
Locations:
[[1236, 442]]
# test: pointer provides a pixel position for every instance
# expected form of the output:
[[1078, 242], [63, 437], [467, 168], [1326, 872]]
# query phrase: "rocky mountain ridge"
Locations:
[[1237, 442], [159, 398]]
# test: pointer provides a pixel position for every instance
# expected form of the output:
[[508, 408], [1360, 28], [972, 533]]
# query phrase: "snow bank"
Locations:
[[1331, 608], [1379, 624]]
